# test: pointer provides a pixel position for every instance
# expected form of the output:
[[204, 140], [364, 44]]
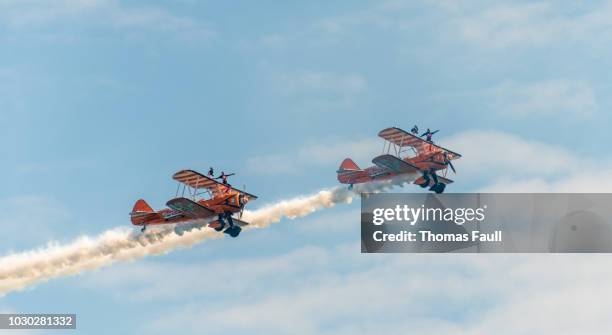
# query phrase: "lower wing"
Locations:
[[190, 208]]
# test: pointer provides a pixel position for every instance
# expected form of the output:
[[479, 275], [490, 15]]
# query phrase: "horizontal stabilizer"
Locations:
[[240, 223], [444, 180]]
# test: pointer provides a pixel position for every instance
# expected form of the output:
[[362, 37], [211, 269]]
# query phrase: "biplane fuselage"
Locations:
[[403, 153], [219, 205], [422, 163], [190, 205]]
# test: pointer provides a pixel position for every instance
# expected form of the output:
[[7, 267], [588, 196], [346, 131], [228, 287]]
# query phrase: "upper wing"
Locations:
[[394, 164], [403, 138], [190, 208], [198, 181]]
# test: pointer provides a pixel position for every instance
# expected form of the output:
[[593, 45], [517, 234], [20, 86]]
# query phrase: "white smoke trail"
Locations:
[[21, 270]]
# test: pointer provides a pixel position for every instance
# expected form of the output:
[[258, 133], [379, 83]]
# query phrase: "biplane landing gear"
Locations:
[[221, 223], [350, 186], [232, 230], [144, 227], [426, 180], [437, 186]]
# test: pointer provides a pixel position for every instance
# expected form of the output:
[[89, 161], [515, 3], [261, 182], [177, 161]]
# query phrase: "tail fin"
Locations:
[[348, 165], [142, 212], [141, 206], [350, 173]]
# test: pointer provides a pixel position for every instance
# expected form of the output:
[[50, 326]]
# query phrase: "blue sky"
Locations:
[[101, 101]]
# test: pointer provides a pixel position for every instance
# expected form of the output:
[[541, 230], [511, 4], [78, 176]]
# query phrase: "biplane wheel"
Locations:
[[220, 226], [425, 182], [221, 223], [439, 188], [233, 231], [143, 228]]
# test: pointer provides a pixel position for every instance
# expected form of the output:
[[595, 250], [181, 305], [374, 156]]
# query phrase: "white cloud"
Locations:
[[551, 98], [304, 93], [500, 161], [319, 82], [182, 281], [41, 217], [443, 24], [489, 25], [506, 25], [486, 153], [317, 155], [274, 40], [12, 95], [331, 223], [339, 290], [533, 24], [38, 167], [45, 16], [508, 163], [585, 181], [494, 154]]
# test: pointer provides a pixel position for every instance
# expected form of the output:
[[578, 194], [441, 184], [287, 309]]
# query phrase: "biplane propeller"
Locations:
[[404, 153], [242, 202], [198, 198], [449, 163]]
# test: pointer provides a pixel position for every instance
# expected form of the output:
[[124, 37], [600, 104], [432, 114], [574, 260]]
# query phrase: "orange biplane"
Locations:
[[403, 153], [201, 198]]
